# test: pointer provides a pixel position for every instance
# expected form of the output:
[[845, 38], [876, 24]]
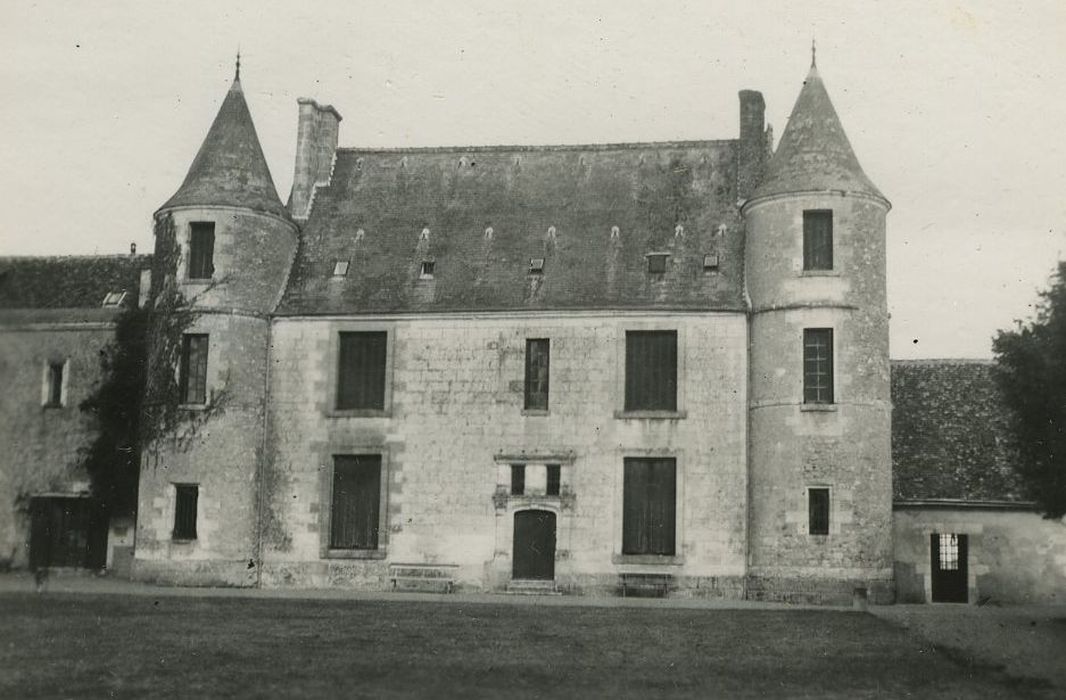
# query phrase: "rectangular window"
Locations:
[[657, 263], [818, 511], [361, 370], [518, 479], [55, 384], [651, 371], [648, 510], [554, 473], [192, 378], [818, 365], [538, 351], [201, 250], [818, 240], [185, 499], [356, 505], [425, 272], [949, 552]]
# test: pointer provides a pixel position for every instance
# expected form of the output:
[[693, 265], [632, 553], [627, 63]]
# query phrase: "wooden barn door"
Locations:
[[948, 553], [534, 545]]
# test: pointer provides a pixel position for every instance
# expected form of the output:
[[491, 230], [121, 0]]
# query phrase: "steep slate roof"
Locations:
[[950, 433], [814, 153], [229, 169], [68, 282], [645, 190]]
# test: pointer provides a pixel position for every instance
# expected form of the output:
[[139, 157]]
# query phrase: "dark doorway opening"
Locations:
[[948, 553], [534, 545], [67, 532]]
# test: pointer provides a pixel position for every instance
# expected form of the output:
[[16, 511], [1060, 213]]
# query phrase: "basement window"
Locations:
[[710, 262], [425, 272], [657, 263], [340, 268], [113, 299], [536, 266]]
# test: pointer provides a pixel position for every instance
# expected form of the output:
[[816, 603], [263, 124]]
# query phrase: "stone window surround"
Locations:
[[46, 382], [183, 240], [834, 521], [504, 500], [619, 390], [180, 546], [649, 562], [335, 330], [820, 407], [326, 499]]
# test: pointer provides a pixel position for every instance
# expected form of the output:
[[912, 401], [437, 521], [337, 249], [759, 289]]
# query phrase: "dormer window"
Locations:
[[536, 266], [710, 262], [113, 299], [340, 268], [657, 263], [425, 272], [201, 250]]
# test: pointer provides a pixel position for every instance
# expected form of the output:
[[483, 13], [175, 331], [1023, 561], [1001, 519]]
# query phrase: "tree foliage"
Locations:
[[1031, 374]]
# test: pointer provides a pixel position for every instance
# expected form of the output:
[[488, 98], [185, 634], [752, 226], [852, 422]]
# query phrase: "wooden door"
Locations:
[[534, 545], [948, 554], [66, 532]]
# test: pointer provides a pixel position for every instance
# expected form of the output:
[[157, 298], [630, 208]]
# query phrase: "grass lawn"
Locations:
[[139, 646]]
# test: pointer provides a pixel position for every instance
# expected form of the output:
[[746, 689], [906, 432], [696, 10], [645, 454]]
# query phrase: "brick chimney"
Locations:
[[316, 142], [754, 148]]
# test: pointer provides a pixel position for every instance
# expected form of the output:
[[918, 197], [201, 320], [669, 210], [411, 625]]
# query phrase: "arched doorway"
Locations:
[[534, 545]]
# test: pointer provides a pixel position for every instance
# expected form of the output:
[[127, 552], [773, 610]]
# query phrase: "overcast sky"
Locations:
[[954, 109]]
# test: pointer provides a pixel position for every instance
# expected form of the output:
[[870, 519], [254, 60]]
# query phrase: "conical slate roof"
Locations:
[[814, 153], [229, 169]]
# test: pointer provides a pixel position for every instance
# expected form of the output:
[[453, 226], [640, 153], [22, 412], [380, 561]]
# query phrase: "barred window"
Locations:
[[949, 551], [186, 497], [818, 365], [361, 370], [818, 240], [538, 351], [192, 376], [651, 371], [201, 250], [356, 503]]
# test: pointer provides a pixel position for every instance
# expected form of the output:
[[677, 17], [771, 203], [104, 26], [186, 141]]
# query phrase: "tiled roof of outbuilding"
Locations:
[[950, 433], [814, 153], [592, 212], [68, 282], [229, 169]]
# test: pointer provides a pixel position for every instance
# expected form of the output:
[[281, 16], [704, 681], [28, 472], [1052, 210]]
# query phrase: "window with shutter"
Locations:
[[818, 365], [818, 240], [201, 250], [361, 370], [648, 505], [538, 352], [651, 371], [192, 375], [356, 503]]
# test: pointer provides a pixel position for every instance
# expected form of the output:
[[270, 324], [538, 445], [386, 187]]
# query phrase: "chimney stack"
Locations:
[[754, 149], [133, 248], [316, 142]]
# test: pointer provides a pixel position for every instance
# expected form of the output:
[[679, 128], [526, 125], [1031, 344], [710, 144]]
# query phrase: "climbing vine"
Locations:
[[137, 407]]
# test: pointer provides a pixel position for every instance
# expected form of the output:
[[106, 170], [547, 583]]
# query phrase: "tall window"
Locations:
[[518, 479], [818, 511], [818, 365], [818, 239], [185, 499], [537, 360], [192, 377], [651, 371], [649, 501], [201, 250], [356, 506], [554, 480], [361, 370], [54, 388]]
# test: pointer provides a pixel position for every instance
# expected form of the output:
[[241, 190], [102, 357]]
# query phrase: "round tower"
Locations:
[[225, 242], [820, 522]]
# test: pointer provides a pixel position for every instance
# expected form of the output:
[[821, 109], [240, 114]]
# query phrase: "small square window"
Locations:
[[710, 262], [554, 471], [518, 479], [536, 266], [425, 272], [340, 268], [657, 263], [114, 299]]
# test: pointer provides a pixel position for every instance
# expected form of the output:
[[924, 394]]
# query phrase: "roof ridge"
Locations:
[[536, 147], [77, 256]]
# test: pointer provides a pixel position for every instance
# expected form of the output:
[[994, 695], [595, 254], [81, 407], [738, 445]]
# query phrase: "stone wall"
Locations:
[[1015, 556], [41, 443], [455, 416]]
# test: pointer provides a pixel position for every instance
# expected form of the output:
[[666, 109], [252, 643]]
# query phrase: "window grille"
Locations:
[[818, 365]]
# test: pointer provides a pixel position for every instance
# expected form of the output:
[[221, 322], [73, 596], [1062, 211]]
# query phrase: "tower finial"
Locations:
[[238, 74], [814, 51]]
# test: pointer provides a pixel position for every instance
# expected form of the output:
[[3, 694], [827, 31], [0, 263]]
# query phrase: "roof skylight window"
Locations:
[[340, 268], [536, 266]]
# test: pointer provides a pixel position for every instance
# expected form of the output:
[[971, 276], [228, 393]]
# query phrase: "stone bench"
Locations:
[[436, 578]]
